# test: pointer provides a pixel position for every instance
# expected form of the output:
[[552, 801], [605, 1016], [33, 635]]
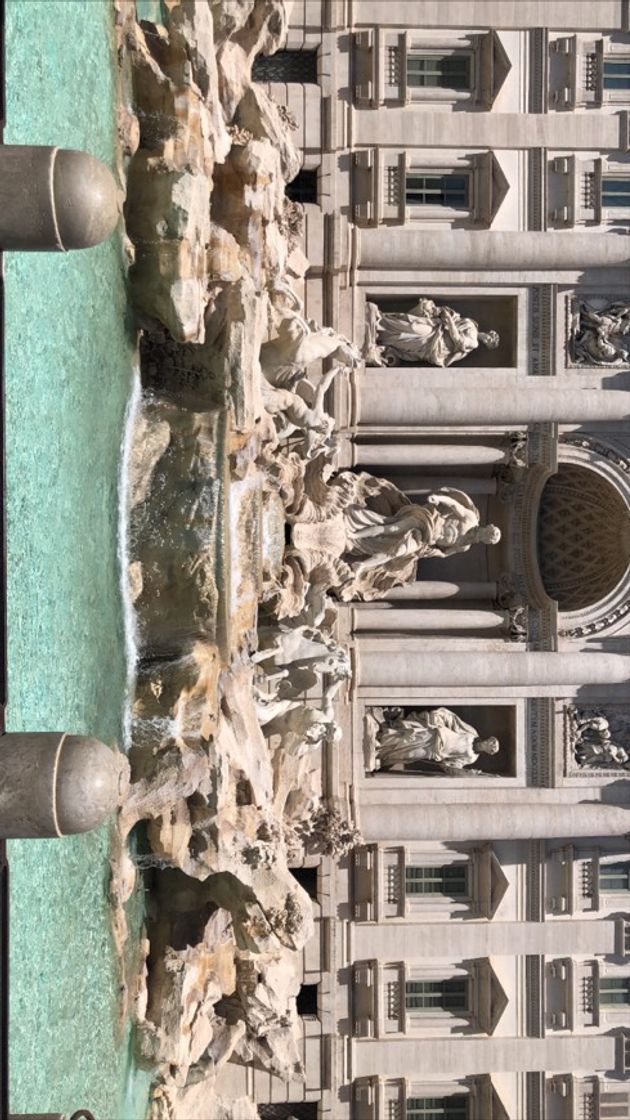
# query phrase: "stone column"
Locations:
[[490, 820], [390, 620], [415, 941], [435, 669], [404, 248], [391, 397], [442, 589], [426, 1059], [427, 454], [419, 485]]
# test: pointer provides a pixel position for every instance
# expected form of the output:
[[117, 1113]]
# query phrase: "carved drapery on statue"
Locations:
[[425, 335], [361, 536], [435, 738], [600, 336]]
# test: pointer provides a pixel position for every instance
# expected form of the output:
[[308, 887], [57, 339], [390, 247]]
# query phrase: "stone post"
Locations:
[[54, 784], [54, 199]]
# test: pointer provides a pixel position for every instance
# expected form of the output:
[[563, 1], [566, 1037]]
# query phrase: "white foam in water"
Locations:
[[129, 614]]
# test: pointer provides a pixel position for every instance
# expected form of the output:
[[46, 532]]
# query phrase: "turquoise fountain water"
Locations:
[[69, 373]]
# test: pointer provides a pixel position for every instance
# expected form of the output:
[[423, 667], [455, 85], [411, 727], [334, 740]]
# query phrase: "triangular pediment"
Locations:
[[495, 67], [492, 999], [492, 882]]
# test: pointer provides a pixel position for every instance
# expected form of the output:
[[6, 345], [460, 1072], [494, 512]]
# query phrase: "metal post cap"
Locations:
[[85, 198], [55, 784], [54, 199]]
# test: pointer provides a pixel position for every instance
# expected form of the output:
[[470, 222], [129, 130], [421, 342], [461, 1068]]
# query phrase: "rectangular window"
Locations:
[[614, 877], [617, 73], [616, 191], [448, 189], [438, 1108], [614, 1106], [443, 71], [451, 879], [437, 995], [614, 991]]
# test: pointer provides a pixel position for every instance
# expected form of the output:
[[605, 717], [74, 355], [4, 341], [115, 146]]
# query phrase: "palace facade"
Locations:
[[472, 957]]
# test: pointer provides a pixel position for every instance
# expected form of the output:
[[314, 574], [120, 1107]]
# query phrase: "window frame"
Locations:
[[430, 203], [418, 54], [616, 177], [615, 60], [458, 871], [609, 984], [438, 993], [424, 1108], [606, 869]]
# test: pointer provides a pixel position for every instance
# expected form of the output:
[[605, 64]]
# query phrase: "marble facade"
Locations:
[[474, 951]]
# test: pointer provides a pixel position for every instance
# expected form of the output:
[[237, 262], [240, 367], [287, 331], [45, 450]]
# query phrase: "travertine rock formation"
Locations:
[[226, 775]]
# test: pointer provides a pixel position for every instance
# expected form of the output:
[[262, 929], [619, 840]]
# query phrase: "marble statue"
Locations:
[[592, 742], [363, 536], [600, 337], [292, 413], [300, 342], [302, 728], [435, 736], [300, 656], [426, 335]]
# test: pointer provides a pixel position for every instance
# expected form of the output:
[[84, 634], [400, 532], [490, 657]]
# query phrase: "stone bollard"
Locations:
[[82, 1114], [55, 784], [54, 199]]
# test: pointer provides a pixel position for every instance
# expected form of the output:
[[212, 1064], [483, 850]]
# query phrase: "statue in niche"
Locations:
[[426, 335], [435, 736], [361, 536], [600, 337], [591, 737]]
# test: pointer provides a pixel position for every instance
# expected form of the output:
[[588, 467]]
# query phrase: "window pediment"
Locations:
[[492, 883], [491, 998], [494, 67]]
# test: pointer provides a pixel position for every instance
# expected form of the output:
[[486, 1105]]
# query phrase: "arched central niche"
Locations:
[[583, 537]]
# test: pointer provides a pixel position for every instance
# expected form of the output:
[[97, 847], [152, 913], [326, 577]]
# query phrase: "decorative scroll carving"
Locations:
[[599, 333], [598, 741], [436, 737], [603, 450], [515, 607], [598, 624], [510, 473], [517, 622], [426, 335]]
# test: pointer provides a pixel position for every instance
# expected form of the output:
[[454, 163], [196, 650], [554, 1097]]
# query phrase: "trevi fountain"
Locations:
[[243, 535]]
